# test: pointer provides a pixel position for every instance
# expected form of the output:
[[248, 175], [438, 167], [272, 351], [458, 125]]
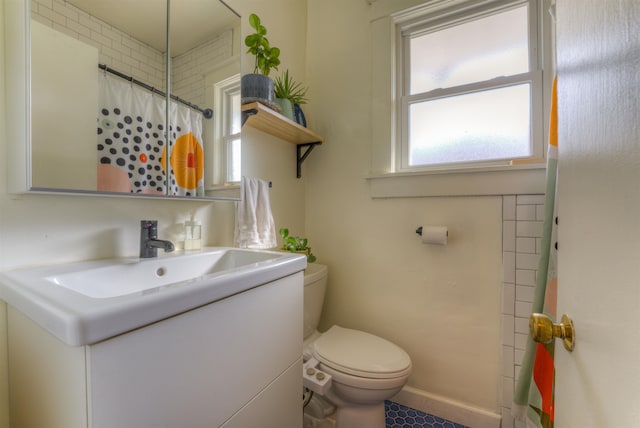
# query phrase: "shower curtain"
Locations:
[[534, 393], [132, 152]]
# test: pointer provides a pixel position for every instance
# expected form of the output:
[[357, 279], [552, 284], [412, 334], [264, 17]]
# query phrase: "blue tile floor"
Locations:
[[399, 416]]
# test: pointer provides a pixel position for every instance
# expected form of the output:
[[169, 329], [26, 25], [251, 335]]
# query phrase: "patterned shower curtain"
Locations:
[[534, 401], [187, 155], [132, 152]]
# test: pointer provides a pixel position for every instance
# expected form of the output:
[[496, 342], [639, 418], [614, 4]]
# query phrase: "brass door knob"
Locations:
[[543, 330]]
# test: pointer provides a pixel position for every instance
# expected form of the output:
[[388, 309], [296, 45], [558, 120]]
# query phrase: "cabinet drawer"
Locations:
[[201, 367]]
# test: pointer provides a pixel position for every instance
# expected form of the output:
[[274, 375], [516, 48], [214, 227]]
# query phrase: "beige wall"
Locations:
[[441, 304], [274, 159], [42, 229], [4, 380]]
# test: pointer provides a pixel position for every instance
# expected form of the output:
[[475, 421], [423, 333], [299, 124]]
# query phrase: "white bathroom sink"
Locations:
[[83, 303], [122, 277]]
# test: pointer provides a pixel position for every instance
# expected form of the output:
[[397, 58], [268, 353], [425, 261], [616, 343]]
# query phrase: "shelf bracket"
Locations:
[[248, 113], [300, 157]]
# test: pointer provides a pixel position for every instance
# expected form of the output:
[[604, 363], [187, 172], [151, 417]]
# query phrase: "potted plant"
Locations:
[[288, 93], [259, 86], [296, 244]]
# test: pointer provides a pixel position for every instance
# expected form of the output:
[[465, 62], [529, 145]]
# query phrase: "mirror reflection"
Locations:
[[108, 63]]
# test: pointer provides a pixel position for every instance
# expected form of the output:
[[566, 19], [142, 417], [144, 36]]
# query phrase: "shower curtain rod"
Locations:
[[207, 113]]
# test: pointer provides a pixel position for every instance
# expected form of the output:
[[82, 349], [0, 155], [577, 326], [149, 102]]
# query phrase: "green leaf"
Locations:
[[254, 21], [286, 87], [266, 56], [296, 244]]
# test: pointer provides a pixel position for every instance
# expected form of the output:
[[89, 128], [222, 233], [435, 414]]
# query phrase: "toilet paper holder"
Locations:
[[433, 235], [419, 231]]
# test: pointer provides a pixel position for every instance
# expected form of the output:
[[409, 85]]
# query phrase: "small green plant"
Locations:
[[267, 57], [286, 87], [296, 244]]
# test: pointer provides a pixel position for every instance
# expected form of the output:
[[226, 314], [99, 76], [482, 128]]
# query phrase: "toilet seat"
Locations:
[[361, 354]]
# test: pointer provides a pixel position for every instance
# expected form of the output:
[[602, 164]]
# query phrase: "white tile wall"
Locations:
[[116, 49], [522, 217], [189, 70], [133, 57]]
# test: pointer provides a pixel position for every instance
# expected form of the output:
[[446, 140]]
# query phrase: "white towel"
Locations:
[[254, 222]]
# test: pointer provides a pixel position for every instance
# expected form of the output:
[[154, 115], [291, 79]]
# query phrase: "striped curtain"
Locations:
[[534, 393]]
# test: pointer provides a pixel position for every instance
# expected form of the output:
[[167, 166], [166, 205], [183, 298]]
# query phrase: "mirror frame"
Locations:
[[18, 71]]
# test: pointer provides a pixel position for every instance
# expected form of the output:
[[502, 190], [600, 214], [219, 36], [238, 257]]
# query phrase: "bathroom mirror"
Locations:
[[120, 55]]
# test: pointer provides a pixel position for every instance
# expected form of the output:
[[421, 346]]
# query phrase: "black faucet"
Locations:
[[149, 242]]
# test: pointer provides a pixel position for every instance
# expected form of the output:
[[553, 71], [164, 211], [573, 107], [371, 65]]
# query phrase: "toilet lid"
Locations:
[[361, 354]]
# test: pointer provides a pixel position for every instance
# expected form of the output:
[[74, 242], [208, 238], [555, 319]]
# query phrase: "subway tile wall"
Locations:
[[134, 58], [522, 219], [190, 69], [116, 49]]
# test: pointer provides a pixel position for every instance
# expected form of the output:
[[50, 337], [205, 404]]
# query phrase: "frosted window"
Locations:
[[487, 125], [234, 171], [236, 117], [232, 128], [470, 85], [475, 51]]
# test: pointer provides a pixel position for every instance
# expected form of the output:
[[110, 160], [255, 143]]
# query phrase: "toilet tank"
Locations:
[[315, 284]]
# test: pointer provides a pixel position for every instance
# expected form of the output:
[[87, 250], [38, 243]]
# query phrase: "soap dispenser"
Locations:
[[192, 235]]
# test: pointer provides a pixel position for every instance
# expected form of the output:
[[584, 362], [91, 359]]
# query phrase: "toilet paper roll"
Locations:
[[437, 235]]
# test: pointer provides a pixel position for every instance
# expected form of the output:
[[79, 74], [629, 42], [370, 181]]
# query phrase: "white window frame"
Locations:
[[423, 20], [383, 179], [224, 90]]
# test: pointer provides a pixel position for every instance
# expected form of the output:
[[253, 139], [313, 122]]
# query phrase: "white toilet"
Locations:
[[365, 369]]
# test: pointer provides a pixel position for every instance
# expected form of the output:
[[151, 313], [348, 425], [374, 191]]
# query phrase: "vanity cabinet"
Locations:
[[235, 362]]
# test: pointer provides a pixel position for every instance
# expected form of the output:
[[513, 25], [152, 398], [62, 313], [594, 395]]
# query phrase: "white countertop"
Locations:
[[78, 319]]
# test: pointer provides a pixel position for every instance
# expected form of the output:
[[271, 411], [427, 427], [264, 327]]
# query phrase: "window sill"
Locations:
[[224, 191], [502, 180]]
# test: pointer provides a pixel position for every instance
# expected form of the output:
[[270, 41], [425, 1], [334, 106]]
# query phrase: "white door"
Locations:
[[598, 385]]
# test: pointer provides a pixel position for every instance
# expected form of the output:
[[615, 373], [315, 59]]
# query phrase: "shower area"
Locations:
[[133, 154], [105, 127]]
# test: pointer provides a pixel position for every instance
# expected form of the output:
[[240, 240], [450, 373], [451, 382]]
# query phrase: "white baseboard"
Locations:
[[454, 411]]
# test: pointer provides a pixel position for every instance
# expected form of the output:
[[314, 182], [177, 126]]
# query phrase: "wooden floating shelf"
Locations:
[[267, 120]]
